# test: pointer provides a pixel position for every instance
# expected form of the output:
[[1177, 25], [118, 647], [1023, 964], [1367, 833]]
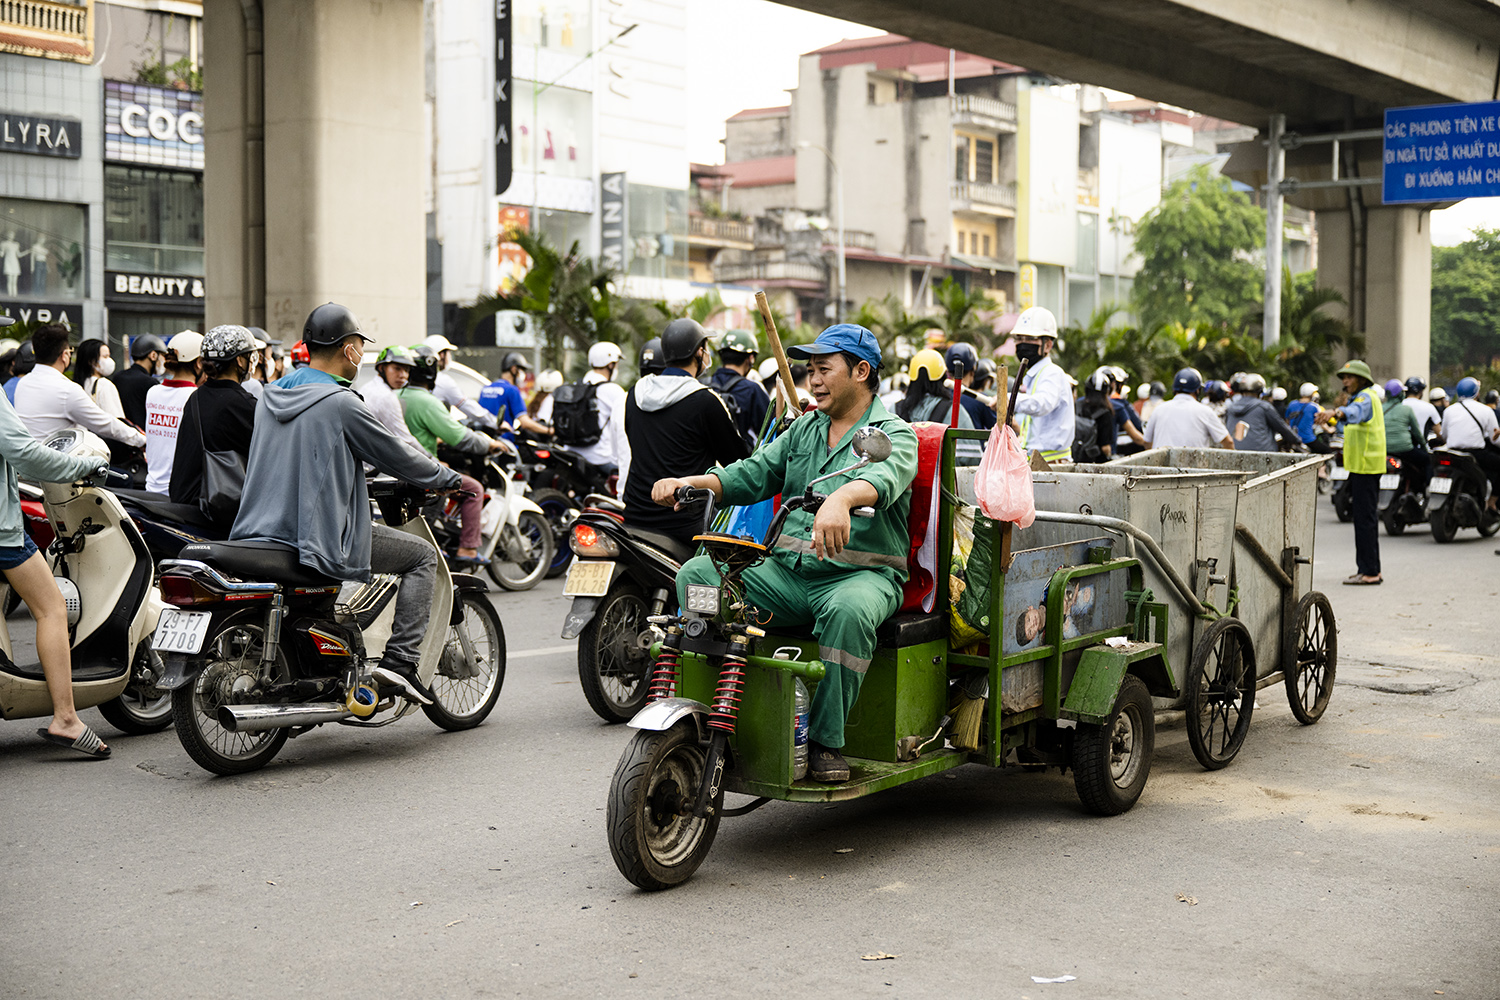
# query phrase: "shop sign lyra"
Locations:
[[42, 136]]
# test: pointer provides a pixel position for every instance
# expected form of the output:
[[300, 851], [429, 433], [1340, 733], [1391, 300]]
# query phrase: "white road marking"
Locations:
[[522, 654]]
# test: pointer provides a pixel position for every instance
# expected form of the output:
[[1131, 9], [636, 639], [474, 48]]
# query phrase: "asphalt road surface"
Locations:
[[1357, 858]]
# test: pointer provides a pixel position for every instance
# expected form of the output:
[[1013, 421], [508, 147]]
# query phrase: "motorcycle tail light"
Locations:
[[588, 541], [1445, 461], [543, 453], [186, 591]]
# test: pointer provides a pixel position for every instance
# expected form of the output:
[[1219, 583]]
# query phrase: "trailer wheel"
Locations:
[[1111, 762], [1220, 693], [1310, 657]]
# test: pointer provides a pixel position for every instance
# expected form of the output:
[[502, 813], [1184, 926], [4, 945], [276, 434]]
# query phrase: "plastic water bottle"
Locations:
[[800, 704]]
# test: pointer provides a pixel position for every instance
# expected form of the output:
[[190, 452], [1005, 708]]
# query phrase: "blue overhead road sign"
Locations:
[[1441, 152]]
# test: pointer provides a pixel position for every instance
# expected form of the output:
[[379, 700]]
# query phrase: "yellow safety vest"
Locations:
[[1364, 444]]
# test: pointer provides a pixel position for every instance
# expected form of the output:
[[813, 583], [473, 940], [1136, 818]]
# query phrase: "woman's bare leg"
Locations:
[[33, 583]]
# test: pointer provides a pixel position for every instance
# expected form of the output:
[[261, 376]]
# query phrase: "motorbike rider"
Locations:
[[1254, 423], [92, 368], [843, 577], [1185, 422], [31, 578], [677, 426], [962, 362], [48, 401], [1044, 407], [1471, 426], [1427, 414], [428, 420], [1364, 457], [446, 389], [220, 416], [611, 452], [392, 371], [1129, 436], [652, 362], [503, 398], [21, 365], [148, 357], [164, 405], [737, 352], [1303, 418], [928, 395], [1404, 440], [305, 486]]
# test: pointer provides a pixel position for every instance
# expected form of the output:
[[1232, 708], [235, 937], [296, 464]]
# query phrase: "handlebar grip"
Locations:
[[689, 494], [863, 512]]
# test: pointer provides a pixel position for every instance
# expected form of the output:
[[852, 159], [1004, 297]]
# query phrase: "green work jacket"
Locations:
[[427, 419], [1401, 431], [800, 455]]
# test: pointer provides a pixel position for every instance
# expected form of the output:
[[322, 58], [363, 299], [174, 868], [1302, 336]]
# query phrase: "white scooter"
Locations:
[[105, 574], [515, 535]]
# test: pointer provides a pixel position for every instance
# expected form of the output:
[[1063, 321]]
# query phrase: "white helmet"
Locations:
[[1278, 394], [549, 380], [603, 353], [1143, 391], [1037, 321], [768, 368], [1308, 390], [1252, 382], [1437, 394], [440, 343]]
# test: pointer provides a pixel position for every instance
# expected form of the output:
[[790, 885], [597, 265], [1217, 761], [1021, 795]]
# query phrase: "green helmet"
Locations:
[[739, 340], [397, 356], [1358, 368]]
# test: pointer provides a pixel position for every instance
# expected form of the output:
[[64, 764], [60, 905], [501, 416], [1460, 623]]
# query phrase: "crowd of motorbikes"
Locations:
[[1456, 495]]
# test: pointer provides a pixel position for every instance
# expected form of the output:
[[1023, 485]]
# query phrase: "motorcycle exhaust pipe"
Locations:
[[259, 718]]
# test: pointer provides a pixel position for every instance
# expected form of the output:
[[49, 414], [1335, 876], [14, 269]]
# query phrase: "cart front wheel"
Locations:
[[1111, 762], [656, 840], [1220, 693], [1310, 658]]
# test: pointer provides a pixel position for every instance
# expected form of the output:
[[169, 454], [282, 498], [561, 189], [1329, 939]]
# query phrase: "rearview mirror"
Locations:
[[872, 443]]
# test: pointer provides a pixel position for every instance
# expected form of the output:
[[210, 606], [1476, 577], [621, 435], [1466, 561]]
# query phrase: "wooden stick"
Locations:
[[786, 400]]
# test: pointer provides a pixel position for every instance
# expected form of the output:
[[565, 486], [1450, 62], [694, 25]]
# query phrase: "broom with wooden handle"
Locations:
[[785, 401]]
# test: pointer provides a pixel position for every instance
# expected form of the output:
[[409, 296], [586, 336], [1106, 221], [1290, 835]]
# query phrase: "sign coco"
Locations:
[[140, 121]]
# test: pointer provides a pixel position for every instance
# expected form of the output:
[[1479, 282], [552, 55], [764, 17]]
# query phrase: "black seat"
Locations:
[[257, 561], [671, 546], [158, 506], [896, 632]]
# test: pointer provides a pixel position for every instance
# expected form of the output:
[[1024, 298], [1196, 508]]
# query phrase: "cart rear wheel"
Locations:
[[1310, 657], [1111, 762], [1220, 693], [654, 845]]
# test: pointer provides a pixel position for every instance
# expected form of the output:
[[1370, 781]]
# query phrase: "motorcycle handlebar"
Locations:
[[690, 494]]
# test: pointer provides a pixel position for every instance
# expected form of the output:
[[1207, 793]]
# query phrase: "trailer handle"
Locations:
[[1152, 549]]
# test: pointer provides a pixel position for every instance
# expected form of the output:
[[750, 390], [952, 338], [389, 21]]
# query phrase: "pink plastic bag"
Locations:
[[1003, 481]]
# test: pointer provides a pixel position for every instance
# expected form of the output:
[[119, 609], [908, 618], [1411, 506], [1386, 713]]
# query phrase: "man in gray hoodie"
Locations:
[[1254, 423], [305, 485]]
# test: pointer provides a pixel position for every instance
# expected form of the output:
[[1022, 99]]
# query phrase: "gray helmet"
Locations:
[[515, 359], [681, 340], [145, 344], [227, 341], [651, 359]]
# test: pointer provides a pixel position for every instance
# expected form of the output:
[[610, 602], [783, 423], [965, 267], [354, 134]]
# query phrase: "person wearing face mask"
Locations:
[[1044, 408], [92, 367], [220, 416], [148, 354], [305, 486]]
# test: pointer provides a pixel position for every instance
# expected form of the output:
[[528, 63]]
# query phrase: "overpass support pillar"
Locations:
[[316, 153], [1381, 260]]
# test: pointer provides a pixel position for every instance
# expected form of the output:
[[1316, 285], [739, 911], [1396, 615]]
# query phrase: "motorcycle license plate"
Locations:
[[588, 578], [1338, 472], [1390, 481], [1440, 485], [180, 631]]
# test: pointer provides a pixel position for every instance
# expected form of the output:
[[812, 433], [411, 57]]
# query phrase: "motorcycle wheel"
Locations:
[[658, 776], [1444, 523], [233, 662], [466, 692], [1392, 520], [536, 538], [1489, 523], [557, 507], [1343, 505], [615, 673]]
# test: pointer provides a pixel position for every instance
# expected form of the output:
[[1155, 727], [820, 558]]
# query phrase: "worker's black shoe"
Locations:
[[826, 764]]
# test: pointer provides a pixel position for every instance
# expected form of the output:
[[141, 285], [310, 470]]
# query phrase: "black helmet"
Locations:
[[961, 359], [515, 359], [1187, 380], [145, 344], [984, 373], [1415, 385], [424, 366], [681, 340], [329, 324], [651, 359], [1492, 397]]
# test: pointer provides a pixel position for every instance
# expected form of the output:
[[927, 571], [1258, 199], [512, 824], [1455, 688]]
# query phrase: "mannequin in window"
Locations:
[[39, 255], [10, 262]]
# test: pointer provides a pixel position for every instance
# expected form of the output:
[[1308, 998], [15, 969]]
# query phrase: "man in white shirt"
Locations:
[[48, 401], [1470, 425], [613, 447], [392, 371], [164, 405], [1428, 417], [1183, 421], [1044, 408], [447, 391]]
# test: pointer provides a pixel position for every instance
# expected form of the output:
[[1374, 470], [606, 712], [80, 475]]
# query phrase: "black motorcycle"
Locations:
[[561, 482], [1401, 503], [1458, 496]]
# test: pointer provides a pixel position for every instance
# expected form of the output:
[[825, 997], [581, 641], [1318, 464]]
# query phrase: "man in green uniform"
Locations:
[[842, 575]]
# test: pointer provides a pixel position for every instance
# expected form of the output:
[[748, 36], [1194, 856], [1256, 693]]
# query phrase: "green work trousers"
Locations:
[[844, 606]]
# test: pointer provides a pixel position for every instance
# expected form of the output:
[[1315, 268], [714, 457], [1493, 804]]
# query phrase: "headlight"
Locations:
[[704, 600]]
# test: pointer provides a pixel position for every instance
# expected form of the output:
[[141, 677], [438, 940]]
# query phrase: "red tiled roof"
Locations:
[[749, 113], [964, 67], [763, 172], [33, 43]]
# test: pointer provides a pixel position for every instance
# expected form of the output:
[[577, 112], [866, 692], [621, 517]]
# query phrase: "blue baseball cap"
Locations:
[[849, 337]]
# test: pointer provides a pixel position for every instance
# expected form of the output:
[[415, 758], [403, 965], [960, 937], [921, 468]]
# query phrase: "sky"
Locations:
[[743, 54]]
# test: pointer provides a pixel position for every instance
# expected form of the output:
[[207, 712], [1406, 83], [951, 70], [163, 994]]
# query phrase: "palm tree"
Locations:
[[892, 326], [959, 315]]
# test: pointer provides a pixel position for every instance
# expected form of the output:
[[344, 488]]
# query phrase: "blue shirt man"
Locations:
[[502, 398]]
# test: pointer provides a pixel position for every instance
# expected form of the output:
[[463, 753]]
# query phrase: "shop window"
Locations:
[[961, 146], [153, 221], [973, 158], [986, 251], [41, 250], [961, 235]]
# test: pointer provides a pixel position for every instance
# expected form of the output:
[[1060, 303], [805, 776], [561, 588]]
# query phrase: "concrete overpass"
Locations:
[[1328, 65]]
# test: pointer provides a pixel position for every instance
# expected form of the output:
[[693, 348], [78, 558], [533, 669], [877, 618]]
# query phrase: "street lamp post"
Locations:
[[838, 180]]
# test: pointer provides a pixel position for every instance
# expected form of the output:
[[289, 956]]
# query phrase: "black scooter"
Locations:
[[1401, 503], [560, 483], [1458, 496]]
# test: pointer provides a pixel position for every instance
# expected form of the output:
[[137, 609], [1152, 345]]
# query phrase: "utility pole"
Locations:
[[1275, 174]]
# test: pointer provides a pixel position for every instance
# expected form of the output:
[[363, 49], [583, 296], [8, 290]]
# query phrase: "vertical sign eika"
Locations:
[[612, 221], [502, 97]]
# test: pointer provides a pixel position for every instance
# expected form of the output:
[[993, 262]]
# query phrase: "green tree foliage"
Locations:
[[1466, 303], [893, 327], [1198, 250], [960, 314]]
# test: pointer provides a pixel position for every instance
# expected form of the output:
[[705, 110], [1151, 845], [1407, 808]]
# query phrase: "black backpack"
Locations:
[[730, 402], [576, 422], [1086, 446]]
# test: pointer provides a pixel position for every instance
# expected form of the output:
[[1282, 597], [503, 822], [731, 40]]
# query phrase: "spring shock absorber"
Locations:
[[726, 704], [664, 676]]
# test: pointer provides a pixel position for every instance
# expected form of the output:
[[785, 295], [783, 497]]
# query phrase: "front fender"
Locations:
[[469, 583], [663, 715], [525, 503]]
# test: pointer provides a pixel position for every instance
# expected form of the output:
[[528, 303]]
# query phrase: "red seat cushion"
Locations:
[[920, 582]]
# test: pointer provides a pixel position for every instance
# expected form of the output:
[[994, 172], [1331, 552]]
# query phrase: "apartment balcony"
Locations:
[[48, 29], [983, 112], [774, 273], [727, 234], [854, 239], [990, 199]]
